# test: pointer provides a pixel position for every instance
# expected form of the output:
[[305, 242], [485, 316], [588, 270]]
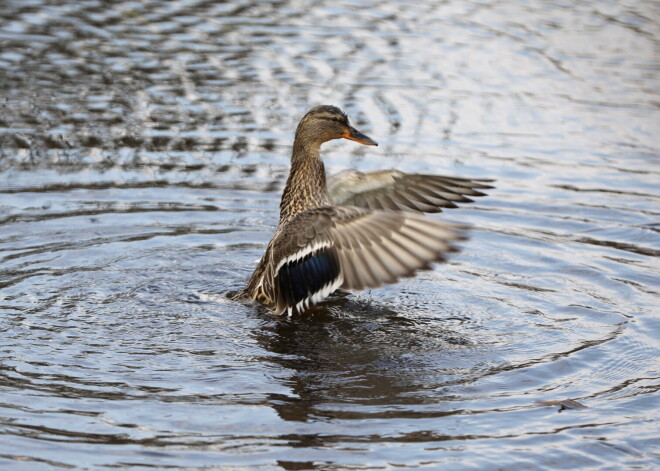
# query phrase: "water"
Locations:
[[143, 149]]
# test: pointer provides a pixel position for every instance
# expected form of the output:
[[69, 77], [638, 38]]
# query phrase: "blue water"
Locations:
[[143, 150]]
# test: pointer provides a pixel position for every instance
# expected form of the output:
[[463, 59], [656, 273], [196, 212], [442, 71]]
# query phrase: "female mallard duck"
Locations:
[[360, 231]]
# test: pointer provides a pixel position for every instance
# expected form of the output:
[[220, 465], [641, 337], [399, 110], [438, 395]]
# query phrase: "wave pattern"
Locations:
[[143, 146]]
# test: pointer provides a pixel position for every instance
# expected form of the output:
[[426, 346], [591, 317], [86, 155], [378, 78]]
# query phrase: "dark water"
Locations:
[[143, 148]]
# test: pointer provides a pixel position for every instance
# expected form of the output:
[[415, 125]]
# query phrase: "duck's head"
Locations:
[[324, 123]]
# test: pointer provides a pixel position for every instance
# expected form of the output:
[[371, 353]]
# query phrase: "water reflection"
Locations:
[[352, 353], [143, 148]]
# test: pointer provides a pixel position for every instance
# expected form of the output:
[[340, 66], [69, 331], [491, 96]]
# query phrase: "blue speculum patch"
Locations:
[[300, 279]]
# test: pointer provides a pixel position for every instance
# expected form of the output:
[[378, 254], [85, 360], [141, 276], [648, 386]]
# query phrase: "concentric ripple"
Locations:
[[143, 149]]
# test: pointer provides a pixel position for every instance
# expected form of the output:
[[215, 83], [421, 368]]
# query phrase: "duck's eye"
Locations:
[[336, 119]]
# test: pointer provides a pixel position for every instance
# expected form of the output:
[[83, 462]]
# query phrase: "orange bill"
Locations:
[[355, 135]]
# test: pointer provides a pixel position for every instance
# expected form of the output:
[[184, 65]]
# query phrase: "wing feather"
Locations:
[[353, 248], [395, 190]]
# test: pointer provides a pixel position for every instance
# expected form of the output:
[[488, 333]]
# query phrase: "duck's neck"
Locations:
[[306, 187]]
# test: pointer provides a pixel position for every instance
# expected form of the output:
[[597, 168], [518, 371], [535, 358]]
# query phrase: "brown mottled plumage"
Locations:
[[367, 231]]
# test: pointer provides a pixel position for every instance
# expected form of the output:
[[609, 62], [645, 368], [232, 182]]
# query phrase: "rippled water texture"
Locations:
[[143, 149]]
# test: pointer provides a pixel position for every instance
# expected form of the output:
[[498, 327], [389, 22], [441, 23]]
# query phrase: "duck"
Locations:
[[353, 230]]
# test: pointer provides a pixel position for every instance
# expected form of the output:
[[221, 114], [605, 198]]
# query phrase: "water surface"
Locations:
[[143, 149]]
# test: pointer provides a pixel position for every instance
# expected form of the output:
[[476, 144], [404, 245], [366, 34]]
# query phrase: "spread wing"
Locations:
[[395, 190], [352, 248]]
